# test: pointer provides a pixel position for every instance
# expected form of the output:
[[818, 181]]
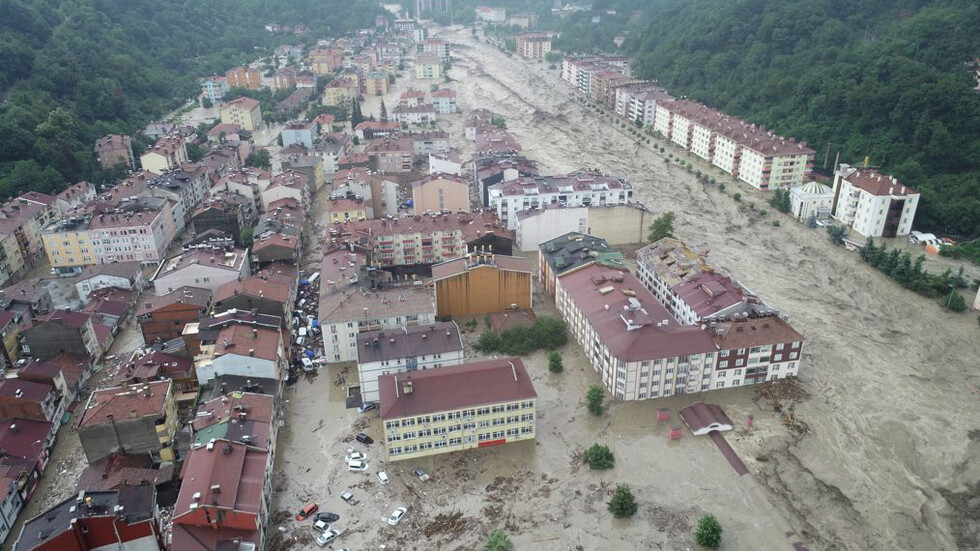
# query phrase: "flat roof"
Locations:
[[471, 261], [574, 249], [456, 387], [402, 342]]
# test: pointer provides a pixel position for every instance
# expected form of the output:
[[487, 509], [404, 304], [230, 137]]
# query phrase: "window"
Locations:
[[484, 424], [779, 346], [720, 384], [498, 409], [482, 411], [498, 434], [527, 417], [527, 404], [739, 362], [741, 351], [527, 430], [513, 432], [391, 425], [454, 441]]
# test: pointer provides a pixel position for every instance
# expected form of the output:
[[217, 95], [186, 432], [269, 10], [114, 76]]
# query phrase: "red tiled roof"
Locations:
[[241, 338], [120, 402], [184, 295], [153, 365], [113, 471], [274, 283], [455, 387], [876, 183], [733, 335], [26, 440], [237, 469], [67, 318], [247, 103], [708, 293], [28, 390]]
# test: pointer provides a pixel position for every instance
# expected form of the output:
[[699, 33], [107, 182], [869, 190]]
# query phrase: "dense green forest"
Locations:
[[73, 70], [881, 78]]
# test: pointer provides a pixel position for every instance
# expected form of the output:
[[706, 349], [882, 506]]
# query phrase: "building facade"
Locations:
[[441, 193], [482, 283], [475, 405], [873, 204], [581, 188]]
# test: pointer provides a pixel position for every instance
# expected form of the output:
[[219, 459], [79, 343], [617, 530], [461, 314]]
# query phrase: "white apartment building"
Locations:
[[405, 349], [873, 204], [582, 188]]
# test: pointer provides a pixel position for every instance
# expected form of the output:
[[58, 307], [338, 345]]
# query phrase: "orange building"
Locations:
[[244, 77], [482, 283]]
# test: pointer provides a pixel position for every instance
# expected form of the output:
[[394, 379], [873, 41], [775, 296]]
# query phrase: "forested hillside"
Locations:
[[73, 70], [883, 78]]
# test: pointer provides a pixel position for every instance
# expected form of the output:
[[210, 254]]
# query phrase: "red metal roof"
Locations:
[[456, 387]]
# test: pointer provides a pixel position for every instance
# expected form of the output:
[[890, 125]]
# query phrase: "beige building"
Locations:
[[475, 405], [243, 77], [113, 150], [428, 66], [244, 112], [167, 154], [533, 45], [616, 224], [441, 192]]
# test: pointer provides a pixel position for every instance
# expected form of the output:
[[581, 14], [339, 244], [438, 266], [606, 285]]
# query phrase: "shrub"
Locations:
[[721, 186], [623, 504], [763, 212], [708, 532], [594, 398], [498, 541], [775, 223], [955, 302], [555, 364], [737, 196], [836, 234], [599, 457], [547, 332]]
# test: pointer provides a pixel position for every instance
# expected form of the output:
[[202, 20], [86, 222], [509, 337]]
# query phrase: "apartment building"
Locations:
[[354, 299], [423, 114], [325, 61], [428, 66], [376, 83], [482, 283], [533, 45], [113, 150], [405, 349], [380, 196], [169, 152], [491, 14], [871, 203], [131, 420], [22, 219], [391, 154], [441, 193], [163, 317], [270, 291], [284, 79], [437, 47], [444, 101], [214, 88], [425, 239], [244, 350], [244, 112], [581, 188], [570, 252], [691, 289], [124, 275], [616, 224], [206, 268], [243, 77], [462, 407]]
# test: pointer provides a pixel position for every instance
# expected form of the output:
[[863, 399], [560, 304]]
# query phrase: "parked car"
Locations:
[[364, 439], [383, 477], [321, 525], [306, 511], [327, 517], [325, 537], [349, 498], [367, 407], [354, 456], [423, 476], [357, 466], [396, 516]]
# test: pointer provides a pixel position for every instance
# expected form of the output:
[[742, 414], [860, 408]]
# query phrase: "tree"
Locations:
[[555, 364], [196, 152], [259, 158], [599, 457], [356, 117], [498, 541], [246, 238], [780, 200], [594, 398], [708, 532], [384, 112], [954, 301], [836, 234], [623, 504], [207, 103], [662, 227]]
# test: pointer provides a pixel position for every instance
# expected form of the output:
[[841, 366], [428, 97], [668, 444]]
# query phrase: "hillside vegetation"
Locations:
[[881, 78], [74, 70]]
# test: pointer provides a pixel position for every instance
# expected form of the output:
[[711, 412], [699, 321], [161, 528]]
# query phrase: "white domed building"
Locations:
[[811, 198]]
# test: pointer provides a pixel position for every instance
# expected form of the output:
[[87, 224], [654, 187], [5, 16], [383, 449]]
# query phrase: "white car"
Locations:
[[357, 466], [383, 477], [325, 537], [396, 516], [354, 456]]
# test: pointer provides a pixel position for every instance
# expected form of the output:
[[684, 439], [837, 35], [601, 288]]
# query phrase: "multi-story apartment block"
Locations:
[[438, 47], [428, 66], [581, 188], [491, 14], [214, 88], [690, 288], [421, 114], [244, 350], [347, 309], [570, 252], [376, 82], [441, 193], [243, 77], [873, 204], [244, 112], [136, 230], [422, 240], [207, 268], [444, 101], [392, 154], [284, 79], [22, 219], [641, 352], [61, 331], [403, 350], [169, 152], [475, 405], [533, 45], [482, 283], [326, 61], [163, 317], [113, 150], [302, 133], [130, 420]]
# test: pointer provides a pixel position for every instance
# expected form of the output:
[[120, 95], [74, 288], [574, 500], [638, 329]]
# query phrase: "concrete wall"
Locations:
[[620, 224], [548, 224]]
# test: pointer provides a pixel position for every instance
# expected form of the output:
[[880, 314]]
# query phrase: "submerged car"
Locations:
[[396, 516]]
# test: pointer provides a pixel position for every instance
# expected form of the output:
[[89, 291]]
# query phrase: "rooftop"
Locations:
[[23, 438], [276, 283], [243, 339], [627, 317], [184, 295], [24, 389], [673, 260], [874, 182], [572, 250], [126, 402], [220, 259], [127, 270], [472, 226], [156, 364], [471, 261], [236, 416], [247, 103], [746, 333], [580, 181], [456, 387], [440, 176], [230, 476], [115, 471], [420, 340]]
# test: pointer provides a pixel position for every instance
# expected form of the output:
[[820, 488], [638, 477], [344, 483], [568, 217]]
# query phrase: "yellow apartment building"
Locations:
[[345, 210], [245, 112], [67, 244], [449, 409]]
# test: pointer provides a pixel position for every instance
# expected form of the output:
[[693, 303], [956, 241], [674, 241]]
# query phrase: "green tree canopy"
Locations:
[[623, 504], [662, 227], [708, 532]]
